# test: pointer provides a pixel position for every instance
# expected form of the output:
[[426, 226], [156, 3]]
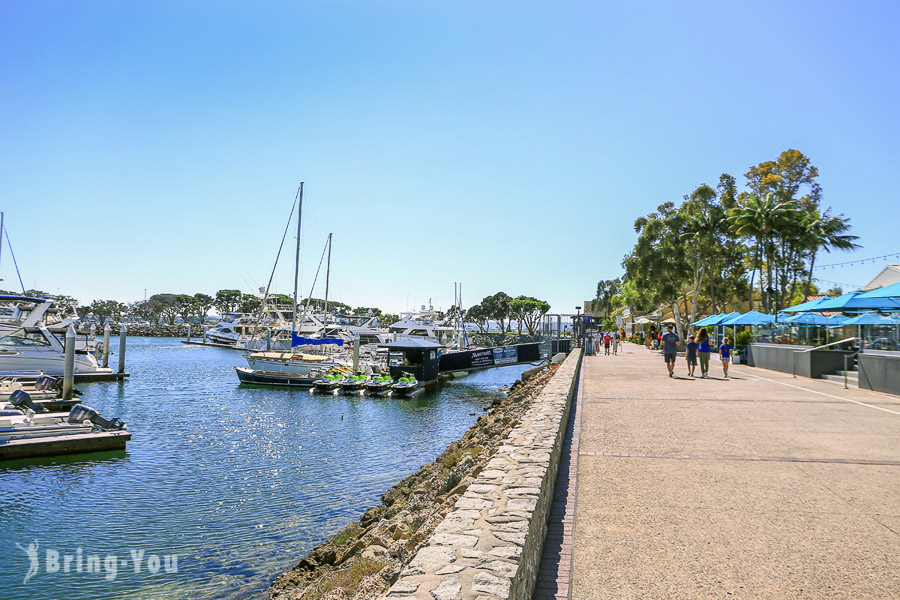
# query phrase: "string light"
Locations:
[[840, 283], [857, 262]]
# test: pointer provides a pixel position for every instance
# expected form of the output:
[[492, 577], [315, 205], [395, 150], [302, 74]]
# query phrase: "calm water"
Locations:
[[238, 482]]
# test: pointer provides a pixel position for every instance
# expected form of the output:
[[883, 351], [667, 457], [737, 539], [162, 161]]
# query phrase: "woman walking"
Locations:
[[703, 352]]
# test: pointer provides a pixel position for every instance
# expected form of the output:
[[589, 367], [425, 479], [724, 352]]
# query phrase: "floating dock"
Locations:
[[102, 441], [30, 376]]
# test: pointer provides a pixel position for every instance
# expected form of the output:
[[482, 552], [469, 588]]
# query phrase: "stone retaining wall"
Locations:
[[490, 545]]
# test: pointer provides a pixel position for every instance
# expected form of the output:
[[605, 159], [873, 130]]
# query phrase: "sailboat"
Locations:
[[285, 368]]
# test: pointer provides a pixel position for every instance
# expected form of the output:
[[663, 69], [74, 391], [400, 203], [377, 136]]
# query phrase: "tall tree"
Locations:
[[824, 231], [528, 311], [607, 289], [168, 306], [186, 306], [658, 266], [202, 304], [227, 301], [759, 219], [478, 315], [497, 308], [703, 218]]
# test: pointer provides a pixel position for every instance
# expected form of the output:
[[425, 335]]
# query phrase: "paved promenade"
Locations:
[[758, 486]]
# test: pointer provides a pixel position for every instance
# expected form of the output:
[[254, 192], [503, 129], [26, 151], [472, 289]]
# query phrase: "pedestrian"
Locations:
[[606, 341], [703, 351], [615, 343], [670, 348], [725, 355], [692, 356], [597, 342]]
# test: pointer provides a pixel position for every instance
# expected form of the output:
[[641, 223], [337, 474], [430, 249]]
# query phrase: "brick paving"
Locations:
[[555, 572]]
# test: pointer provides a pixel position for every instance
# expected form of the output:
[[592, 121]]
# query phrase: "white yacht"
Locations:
[[17, 312], [233, 328], [424, 324], [36, 349]]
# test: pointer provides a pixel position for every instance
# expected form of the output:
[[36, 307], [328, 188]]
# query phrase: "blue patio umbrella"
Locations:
[[888, 291], [720, 319], [870, 319], [753, 317], [812, 305], [856, 301], [811, 319], [708, 320]]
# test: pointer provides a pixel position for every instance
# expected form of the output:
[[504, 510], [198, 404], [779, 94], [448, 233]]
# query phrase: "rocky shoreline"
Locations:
[[365, 558], [179, 331]]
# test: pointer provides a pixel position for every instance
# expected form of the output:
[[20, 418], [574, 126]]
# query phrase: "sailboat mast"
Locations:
[[327, 276], [2, 217], [297, 261]]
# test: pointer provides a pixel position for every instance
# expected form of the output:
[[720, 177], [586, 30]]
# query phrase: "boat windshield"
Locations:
[[14, 340]]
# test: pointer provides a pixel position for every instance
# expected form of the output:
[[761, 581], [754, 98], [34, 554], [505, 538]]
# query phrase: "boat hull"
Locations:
[[276, 379]]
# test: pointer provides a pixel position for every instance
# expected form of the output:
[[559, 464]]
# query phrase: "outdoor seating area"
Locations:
[[859, 330], [870, 319]]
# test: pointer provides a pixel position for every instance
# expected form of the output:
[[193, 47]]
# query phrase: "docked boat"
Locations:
[[28, 431], [353, 383], [328, 382], [233, 328], [36, 349], [294, 363], [26, 419], [379, 384], [404, 386], [250, 376]]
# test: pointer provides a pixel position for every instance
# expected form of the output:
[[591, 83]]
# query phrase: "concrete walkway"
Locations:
[[759, 486]]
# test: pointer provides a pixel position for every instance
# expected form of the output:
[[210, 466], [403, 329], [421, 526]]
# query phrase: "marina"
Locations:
[[263, 473]]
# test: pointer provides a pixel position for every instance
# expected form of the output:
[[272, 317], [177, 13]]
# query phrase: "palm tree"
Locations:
[[824, 231], [760, 219]]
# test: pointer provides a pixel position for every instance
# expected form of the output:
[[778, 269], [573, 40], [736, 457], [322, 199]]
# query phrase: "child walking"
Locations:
[[692, 355], [725, 355]]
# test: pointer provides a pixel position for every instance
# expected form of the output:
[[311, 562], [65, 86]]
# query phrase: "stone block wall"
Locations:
[[489, 546]]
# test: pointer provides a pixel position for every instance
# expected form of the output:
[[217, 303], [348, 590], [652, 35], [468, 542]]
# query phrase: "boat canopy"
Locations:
[[411, 344]]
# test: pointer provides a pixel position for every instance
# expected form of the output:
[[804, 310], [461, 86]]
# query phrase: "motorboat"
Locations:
[[328, 382], [249, 376], [404, 386], [27, 420], [294, 363], [379, 384], [424, 324], [233, 328], [36, 349], [353, 383], [17, 312]]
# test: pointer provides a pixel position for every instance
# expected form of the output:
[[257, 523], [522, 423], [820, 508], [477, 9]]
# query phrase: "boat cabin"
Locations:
[[419, 357]]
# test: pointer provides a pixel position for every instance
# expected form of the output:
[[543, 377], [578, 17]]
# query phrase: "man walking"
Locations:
[[670, 348]]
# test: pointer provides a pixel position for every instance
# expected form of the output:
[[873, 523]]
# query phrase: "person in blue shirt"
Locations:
[[670, 348], [692, 355], [703, 352], [725, 355]]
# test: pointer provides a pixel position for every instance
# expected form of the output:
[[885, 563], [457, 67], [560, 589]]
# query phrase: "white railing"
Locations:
[[796, 352]]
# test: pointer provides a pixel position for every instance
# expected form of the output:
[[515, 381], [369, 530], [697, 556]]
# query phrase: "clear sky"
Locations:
[[505, 145]]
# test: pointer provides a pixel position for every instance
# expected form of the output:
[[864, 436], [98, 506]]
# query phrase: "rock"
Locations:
[[449, 589], [433, 558], [490, 584]]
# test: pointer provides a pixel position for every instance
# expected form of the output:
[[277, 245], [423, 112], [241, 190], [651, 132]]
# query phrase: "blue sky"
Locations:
[[505, 145]]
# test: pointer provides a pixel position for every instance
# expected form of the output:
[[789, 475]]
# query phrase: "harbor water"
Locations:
[[222, 487]]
